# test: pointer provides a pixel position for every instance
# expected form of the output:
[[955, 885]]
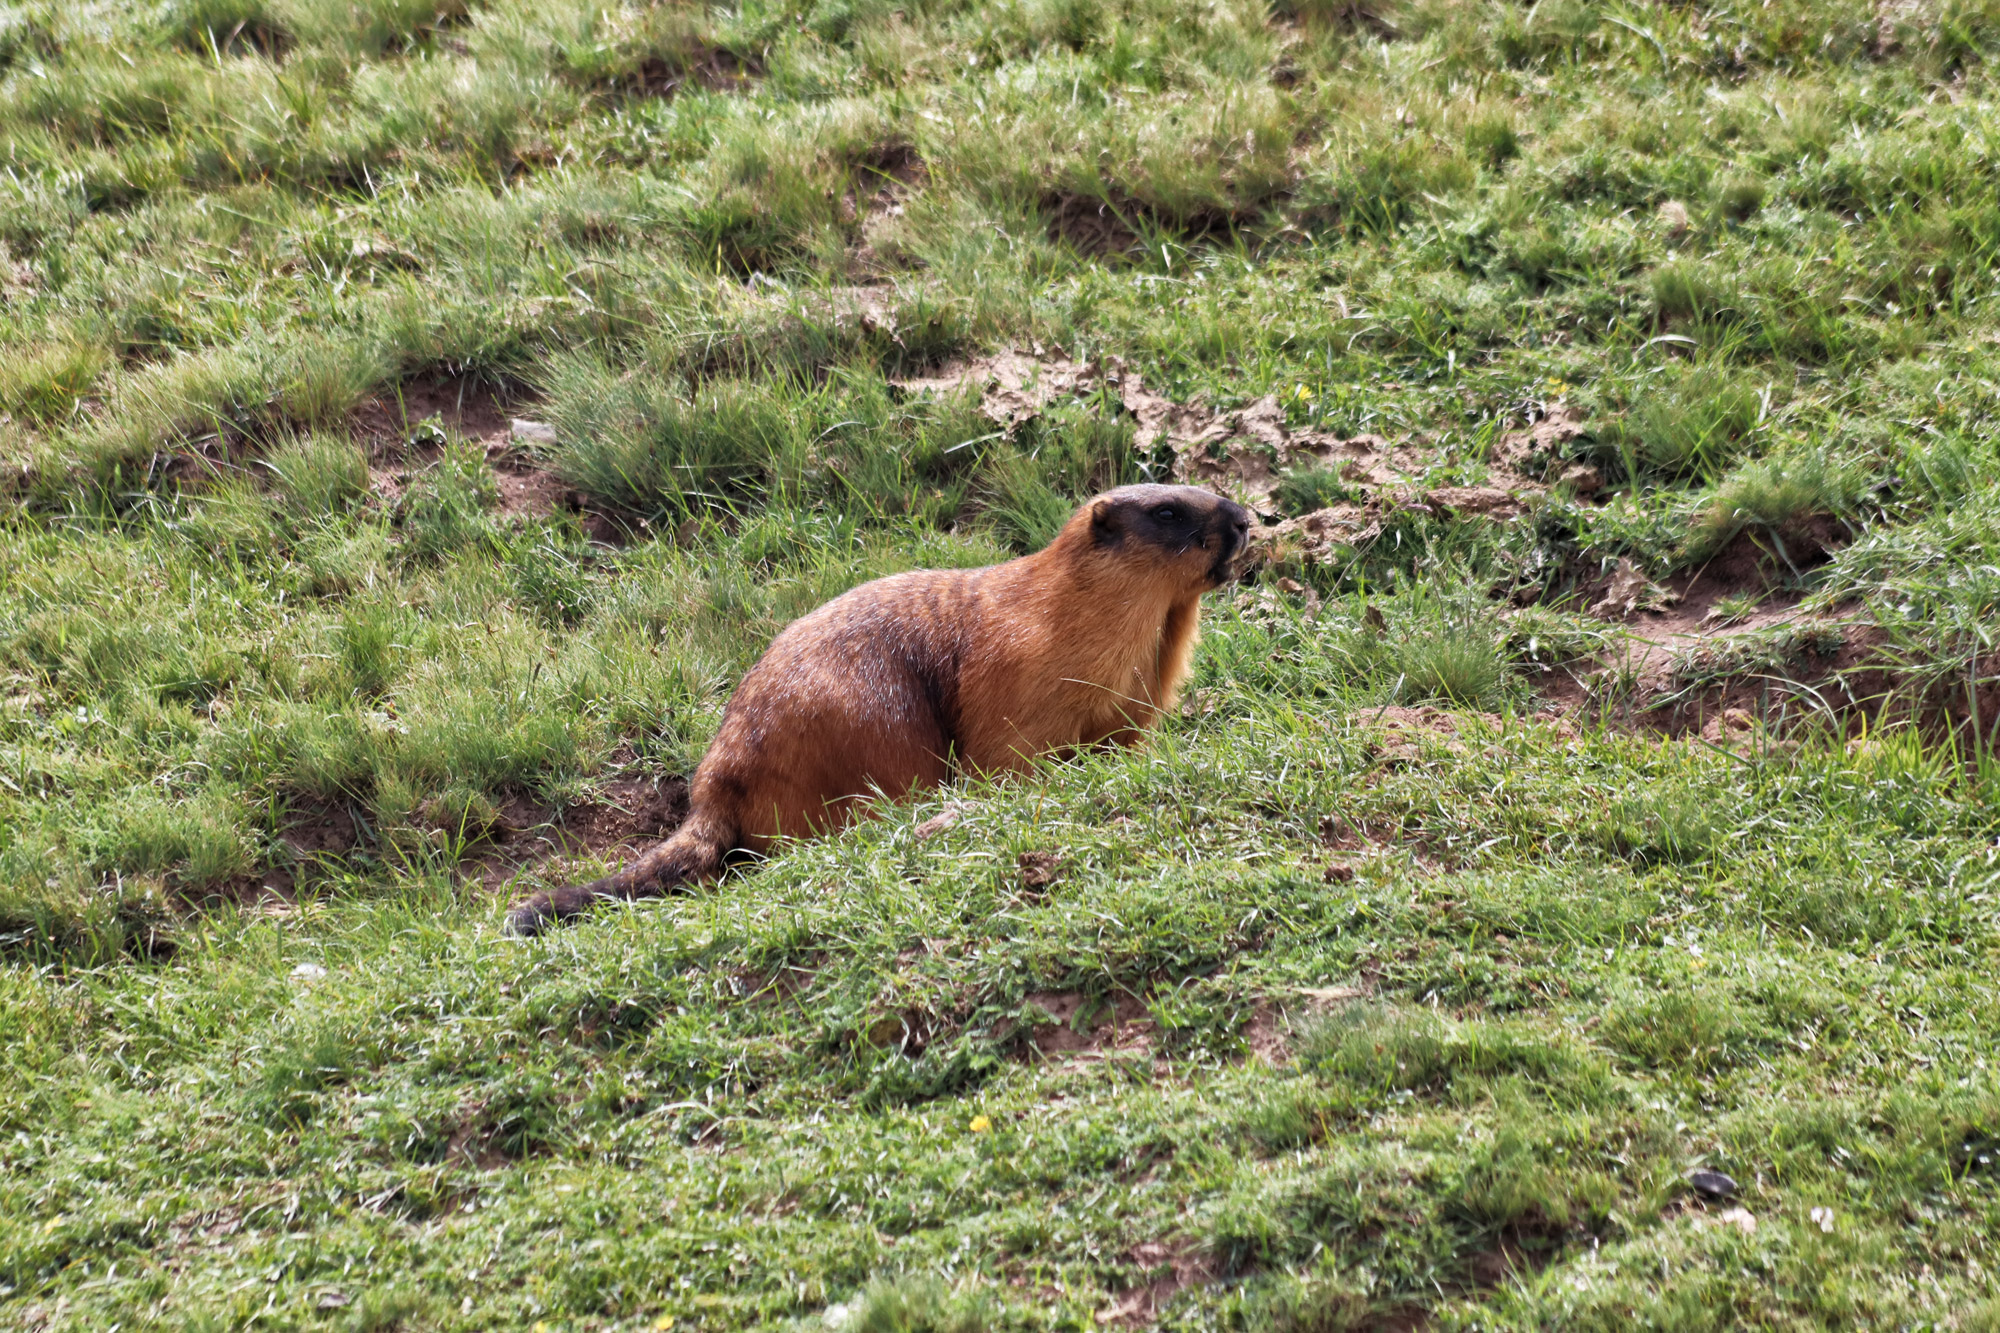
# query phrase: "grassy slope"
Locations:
[[1590, 961]]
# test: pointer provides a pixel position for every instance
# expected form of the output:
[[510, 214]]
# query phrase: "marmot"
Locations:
[[894, 685]]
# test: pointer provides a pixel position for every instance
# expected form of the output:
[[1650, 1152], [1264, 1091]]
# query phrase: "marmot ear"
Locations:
[[1103, 521]]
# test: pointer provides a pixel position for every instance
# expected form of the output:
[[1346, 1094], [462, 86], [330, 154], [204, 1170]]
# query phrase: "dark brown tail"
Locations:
[[692, 854]]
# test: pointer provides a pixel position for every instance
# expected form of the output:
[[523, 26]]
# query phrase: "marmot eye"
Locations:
[[1166, 513]]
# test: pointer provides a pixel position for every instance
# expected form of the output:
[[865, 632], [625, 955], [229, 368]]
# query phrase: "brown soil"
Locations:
[[1677, 626], [1106, 225], [1094, 228], [1166, 1269], [1013, 386], [475, 409], [627, 816], [528, 491], [1038, 870], [315, 831], [885, 179], [497, 419], [321, 830], [1121, 1026], [707, 66], [1244, 452]]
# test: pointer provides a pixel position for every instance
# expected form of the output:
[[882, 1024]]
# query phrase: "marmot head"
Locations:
[[1187, 535]]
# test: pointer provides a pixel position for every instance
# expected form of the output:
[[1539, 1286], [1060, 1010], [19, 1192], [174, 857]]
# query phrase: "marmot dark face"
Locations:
[[1196, 531]]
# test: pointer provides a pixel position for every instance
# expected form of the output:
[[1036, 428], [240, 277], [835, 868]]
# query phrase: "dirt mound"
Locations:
[[1727, 652], [1245, 454]]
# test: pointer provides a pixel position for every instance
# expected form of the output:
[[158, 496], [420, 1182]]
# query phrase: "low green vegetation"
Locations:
[[1401, 983]]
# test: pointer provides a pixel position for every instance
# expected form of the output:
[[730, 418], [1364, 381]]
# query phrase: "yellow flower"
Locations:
[[664, 1321], [980, 1125], [1302, 393]]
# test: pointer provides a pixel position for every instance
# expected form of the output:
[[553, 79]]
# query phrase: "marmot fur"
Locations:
[[891, 687]]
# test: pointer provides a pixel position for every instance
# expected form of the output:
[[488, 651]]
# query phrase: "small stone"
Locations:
[[1039, 869], [1675, 215], [937, 824], [1338, 873], [1741, 1219], [532, 432], [334, 1300], [1711, 1184], [1583, 479], [308, 971], [1332, 994]]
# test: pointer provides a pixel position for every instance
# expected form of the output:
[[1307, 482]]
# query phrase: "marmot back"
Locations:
[[893, 686]]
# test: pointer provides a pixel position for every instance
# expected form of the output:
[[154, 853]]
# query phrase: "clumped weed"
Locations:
[[1699, 423], [1303, 490], [319, 476], [1776, 498]]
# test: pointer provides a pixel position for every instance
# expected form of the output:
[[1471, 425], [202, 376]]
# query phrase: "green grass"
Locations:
[[249, 588]]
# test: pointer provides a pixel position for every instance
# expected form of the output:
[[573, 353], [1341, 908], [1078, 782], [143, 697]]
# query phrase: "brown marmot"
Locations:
[[894, 685]]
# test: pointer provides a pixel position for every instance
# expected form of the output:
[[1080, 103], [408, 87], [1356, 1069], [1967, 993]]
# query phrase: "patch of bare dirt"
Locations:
[[1726, 654], [1095, 228], [528, 490], [773, 986], [1629, 592], [1087, 1027], [321, 830], [1165, 1269], [887, 176], [314, 832], [498, 421], [471, 408], [1245, 452], [1660, 640], [1272, 1024], [1403, 729], [627, 815], [1013, 386], [1107, 224], [1038, 870], [704, 66], [1721, 652]]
